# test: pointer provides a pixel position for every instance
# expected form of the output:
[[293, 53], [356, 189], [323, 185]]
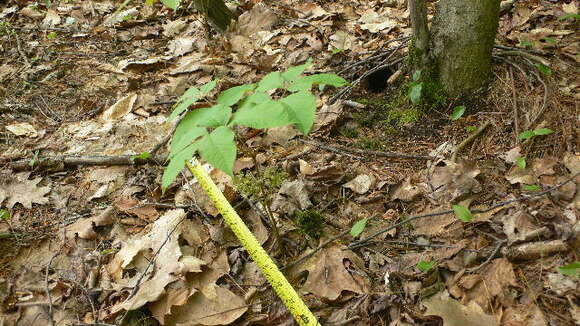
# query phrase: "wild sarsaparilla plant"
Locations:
[[208, 132]]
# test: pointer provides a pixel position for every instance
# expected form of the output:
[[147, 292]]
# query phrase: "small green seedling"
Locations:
[[531, 188], [171, 3], [533, 133], [4, 214], [416, 88], [142, 156], [34, 160], [51, 35], [337, 51], [463, 213], [526, 44], [544, 69], [548, 39], [569, 16], [471, 128], [458, 112], [425, 266], [358, 227], [521, 163], [572, 269]]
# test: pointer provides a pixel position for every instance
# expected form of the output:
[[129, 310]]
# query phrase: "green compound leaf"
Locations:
[[462, 213], [572, 269], [219, 149], [191, 96], [270, 81], [358, 227], [233, 95], [415, 92], [531, 188], [458, 112], [543, 132], [425, 266], [526, 134], [471, 128], [521, 162], [301, 108], [171, 3], [176, 164]]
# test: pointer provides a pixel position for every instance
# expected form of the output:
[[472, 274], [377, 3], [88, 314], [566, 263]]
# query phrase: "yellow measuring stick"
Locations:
[[289, 297]]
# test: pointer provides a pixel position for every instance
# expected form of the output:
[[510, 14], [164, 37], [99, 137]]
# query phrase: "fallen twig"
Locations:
[[349, 151], [47, 290], [364, 241], [500, 244], [469, 139]]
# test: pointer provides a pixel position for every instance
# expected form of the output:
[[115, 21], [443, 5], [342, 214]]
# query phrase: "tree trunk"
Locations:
[[215, 11], [462, 38], [418, 15]]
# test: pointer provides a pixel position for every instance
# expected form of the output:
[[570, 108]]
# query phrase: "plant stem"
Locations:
[[290, 298]]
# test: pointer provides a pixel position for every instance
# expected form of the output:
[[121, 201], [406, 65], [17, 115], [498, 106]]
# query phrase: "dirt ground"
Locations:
[[87, 237]]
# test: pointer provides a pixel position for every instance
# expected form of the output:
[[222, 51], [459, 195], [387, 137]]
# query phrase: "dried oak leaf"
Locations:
[[454, 180], [84, 228], [456, 314], [327, 274], [23, 191], [170, 263], [495, 281]]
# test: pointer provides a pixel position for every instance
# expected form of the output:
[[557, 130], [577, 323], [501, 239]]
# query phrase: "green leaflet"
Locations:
[[185, 135], [301, 108], [233, 95], [458, 112], [176, 164], [219, 149], [265, 115], [191, 96], [270, 81], [305, 84], [463, 213], [358, 227]]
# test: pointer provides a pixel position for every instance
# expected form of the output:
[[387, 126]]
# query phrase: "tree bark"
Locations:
[[462, 38], [418, 15], [216, 12]]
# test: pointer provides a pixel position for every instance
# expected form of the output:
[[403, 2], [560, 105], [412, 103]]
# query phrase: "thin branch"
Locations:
[[500, 244], [363, 242], [47, 290], [348, 151], [468, 140]]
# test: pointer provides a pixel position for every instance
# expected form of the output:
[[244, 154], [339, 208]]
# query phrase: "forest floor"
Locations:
[[88, 238]]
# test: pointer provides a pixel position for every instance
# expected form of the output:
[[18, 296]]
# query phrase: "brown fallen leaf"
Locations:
[[454, 313], [23, 191], [169, 265], [327, 275], [496, 279], [131, 206], [84, 228]]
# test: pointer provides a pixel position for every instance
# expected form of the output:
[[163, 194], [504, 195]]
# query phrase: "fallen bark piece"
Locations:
[[534, 250]]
